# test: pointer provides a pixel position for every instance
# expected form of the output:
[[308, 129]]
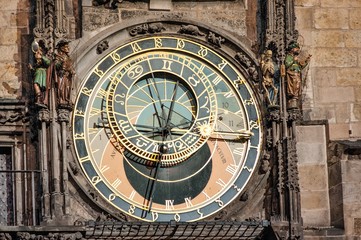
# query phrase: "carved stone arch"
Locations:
[[237, 50]]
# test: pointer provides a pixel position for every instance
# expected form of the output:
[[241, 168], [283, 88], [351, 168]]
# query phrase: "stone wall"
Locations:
[[237, 17], [14, 23], [331, 32]]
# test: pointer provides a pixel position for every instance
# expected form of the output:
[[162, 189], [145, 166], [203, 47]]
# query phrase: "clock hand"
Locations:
[[239, 134], [146, 126], [242, 134], [189, 121], [172, 103], [149, 197], [160, 100], [154, 105]]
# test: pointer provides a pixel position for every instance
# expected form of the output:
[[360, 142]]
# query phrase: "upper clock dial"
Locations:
[[161, 100], [167, 129]]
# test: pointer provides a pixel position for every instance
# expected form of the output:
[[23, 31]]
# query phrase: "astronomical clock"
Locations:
[[167, 127]]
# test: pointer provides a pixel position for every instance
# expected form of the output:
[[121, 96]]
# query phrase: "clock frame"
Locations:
[[126, 166]]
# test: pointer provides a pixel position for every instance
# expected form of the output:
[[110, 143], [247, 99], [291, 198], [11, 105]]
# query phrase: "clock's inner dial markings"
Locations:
[[168, 127]]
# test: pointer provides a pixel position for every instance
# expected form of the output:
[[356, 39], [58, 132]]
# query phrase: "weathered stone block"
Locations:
[[313, 177], [335, 95], [324, 76], [335, 177], [352, 38], [351, 212], [355, 20], [10, 89], [325, 112], [358, 94], [355, 130], [160, 5], [8, 71], [311, 153], [355, 114], [96, 18], [331, 18], [351, 173], [343, 112], [328, 38], [22, 19], [339, 131], [349, 76], [10, 50], [351, 193], [8, 36], [315, 200], [314, 217], [334, 57], [335, 195], [340, 3], [5, 17], [311, 134], [9, 5], [307, 3], [307, 15]]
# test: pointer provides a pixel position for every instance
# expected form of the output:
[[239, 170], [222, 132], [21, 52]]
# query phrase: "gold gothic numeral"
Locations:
[[136, 47], [248, 169], [188, 202], [98, 72], [180, 43], [115, 56], [158, 42], [169, 204], [203, 52], [86, 91], [222, 64], [249, 101], [78, 136]]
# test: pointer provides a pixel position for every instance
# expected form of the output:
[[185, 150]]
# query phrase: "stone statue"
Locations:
[[269, 72], [39, 71], [294, 66], [64, 72]]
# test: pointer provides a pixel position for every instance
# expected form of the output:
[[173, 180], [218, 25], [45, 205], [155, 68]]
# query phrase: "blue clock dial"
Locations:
[[166, 128]]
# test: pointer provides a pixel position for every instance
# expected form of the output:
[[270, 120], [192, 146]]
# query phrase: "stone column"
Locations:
[[44, 118], [63, 118]]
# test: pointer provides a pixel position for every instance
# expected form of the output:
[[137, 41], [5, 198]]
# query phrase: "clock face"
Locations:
[[167, 129]]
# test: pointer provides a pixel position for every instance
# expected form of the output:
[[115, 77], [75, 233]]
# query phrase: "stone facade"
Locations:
[[331, 34], [14, 26], [328, 137], [331, 31]]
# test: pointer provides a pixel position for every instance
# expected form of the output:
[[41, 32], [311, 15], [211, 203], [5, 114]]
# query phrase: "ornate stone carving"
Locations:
[[216, 40], [191, 30], [269, 76], [147, 28], [63, 115], [265, 166], [273, 115], [44, 115], [64, 73], [49, 236], [294, 67], [39, 73], [11, 117], [5, 236], [51, 22], [294, 114], [112, 4], [102, 46], [244, 60]]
